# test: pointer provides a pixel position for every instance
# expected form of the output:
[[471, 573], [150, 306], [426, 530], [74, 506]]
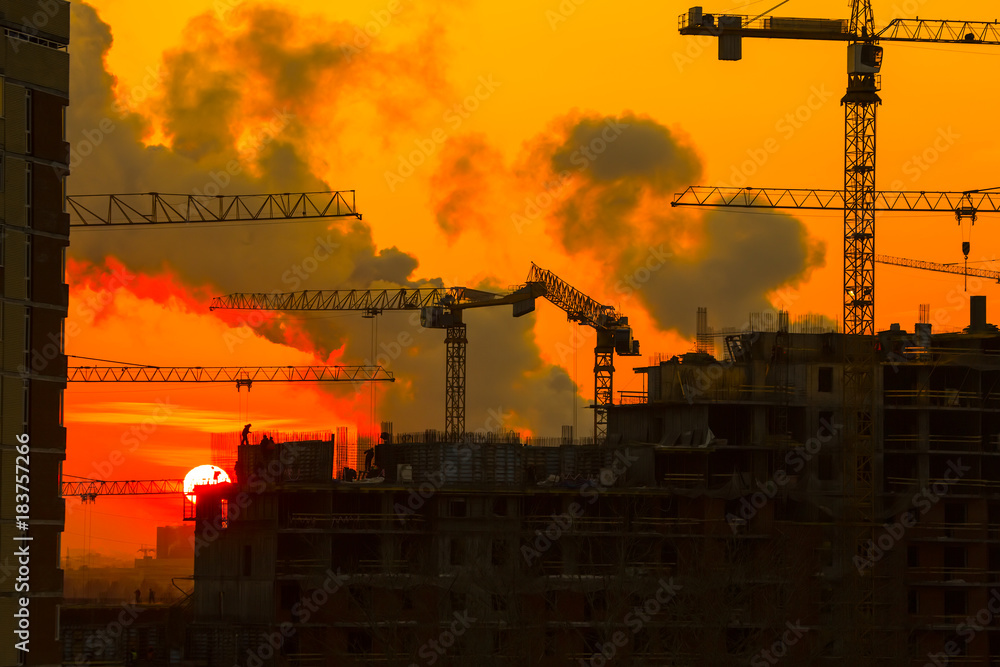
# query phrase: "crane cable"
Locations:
[[768, 11]]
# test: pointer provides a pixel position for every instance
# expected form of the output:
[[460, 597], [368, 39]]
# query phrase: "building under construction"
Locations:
[[705, 531]]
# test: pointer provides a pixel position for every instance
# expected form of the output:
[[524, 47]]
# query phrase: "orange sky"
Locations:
[[533, 72]]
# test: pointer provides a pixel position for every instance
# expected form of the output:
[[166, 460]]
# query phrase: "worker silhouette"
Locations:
[[152, 596], [138, 596], [369, 455], [245, 437]]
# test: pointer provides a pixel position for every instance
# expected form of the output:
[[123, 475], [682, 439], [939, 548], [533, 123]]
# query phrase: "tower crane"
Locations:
[[156, 208], [243, 376], [613, 336], [963, 204], [864, 58], [440, 308], [89, 489], [935, 266]]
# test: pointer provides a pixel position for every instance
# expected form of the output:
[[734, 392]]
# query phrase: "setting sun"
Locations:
[[204, 474]]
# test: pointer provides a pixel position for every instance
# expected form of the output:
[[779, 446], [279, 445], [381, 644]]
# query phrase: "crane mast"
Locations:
[[860, 200], [613, 335], [860, 110]]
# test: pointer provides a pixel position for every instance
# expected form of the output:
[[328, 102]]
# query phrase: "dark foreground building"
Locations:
[[706, 532], [34, 78]]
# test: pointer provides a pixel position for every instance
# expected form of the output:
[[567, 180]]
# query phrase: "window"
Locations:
[[954, 557], [458, 508], [27, 194], [913, 556], [27, 266], [500, 507], [825, 467], [913, 601], [360, 596], [223, 513], [993, 560], [27, 394], [456, 554], [27, 340], [954, 603], [954, 513], [289, 594], [499, 552], [247, 560], [27, 121], [825, 379]]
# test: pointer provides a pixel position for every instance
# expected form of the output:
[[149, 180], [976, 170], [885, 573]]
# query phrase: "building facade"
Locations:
[[762, 428], [708, 530], [35, 235]]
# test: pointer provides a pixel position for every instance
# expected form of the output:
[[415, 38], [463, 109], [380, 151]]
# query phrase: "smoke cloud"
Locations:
[[239, 106]]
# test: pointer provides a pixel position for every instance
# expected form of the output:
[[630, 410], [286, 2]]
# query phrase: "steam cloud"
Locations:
[[252, 93]]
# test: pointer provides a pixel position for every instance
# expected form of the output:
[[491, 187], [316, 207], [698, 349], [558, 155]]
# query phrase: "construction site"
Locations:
[[798, 489]]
